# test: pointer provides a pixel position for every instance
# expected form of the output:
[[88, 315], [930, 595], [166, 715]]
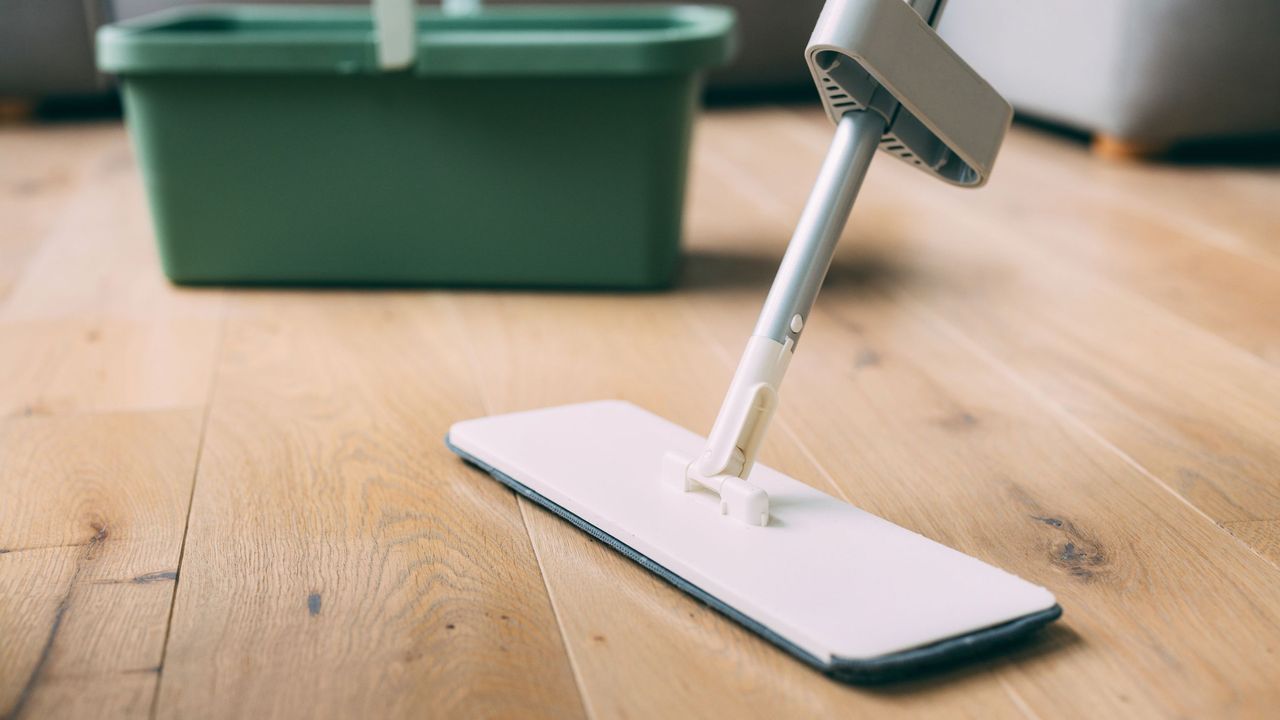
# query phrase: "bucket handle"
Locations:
[[396, 29]]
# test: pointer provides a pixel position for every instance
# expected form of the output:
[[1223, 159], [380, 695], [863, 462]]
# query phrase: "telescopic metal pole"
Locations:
[[808, 256], [735, 438]]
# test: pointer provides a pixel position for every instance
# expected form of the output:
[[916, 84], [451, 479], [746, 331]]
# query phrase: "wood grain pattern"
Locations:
[[94, 500], [226, 503], [93, 514], [90, 325], [1104, 223], [41, 171], [339, 562]]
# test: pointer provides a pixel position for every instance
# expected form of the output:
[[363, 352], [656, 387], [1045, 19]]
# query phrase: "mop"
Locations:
[[853, 595]]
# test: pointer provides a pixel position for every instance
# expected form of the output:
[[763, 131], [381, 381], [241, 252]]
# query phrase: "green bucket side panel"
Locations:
[[399, 179]]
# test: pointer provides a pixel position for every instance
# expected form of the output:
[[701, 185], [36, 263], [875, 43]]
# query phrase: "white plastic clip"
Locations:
[[725, 465], [739, 499], [397, 33]]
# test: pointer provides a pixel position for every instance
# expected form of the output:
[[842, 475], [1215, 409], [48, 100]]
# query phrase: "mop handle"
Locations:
[[725, 463], [748, 405], [808, 255]]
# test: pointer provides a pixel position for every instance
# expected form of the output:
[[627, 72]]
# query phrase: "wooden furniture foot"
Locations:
[[15, 109], [1118, 148]]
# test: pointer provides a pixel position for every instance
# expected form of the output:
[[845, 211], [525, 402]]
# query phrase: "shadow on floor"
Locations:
[[1262, 150], [858, 271], [77, 109], [1056, 639]]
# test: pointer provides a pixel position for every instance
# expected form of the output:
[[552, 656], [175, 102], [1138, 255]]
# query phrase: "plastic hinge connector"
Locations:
[[940, 115], [730, 453]]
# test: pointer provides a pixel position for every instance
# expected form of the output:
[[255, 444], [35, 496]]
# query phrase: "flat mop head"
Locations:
[[849, 593]]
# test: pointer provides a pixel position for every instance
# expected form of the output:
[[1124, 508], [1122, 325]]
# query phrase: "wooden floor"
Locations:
[[238, 503]]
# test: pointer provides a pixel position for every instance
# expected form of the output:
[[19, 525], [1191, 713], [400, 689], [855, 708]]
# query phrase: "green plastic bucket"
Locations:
[[532, 146]]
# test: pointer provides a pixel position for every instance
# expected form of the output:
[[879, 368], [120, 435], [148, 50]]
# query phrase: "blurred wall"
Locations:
[[46, 46]]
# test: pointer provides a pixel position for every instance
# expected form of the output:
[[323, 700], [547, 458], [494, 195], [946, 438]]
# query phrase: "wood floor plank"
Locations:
[[1261, 535], [1227, 204], [340, 562], [1114, 221], [1070, 374], [91, 325], [92, 520], [42, 170], [1172, 617], [1051, 192], [60, 367], [1194, 410], [642, 648]]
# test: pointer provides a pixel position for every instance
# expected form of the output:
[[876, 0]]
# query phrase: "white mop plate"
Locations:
[[834, 581]]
